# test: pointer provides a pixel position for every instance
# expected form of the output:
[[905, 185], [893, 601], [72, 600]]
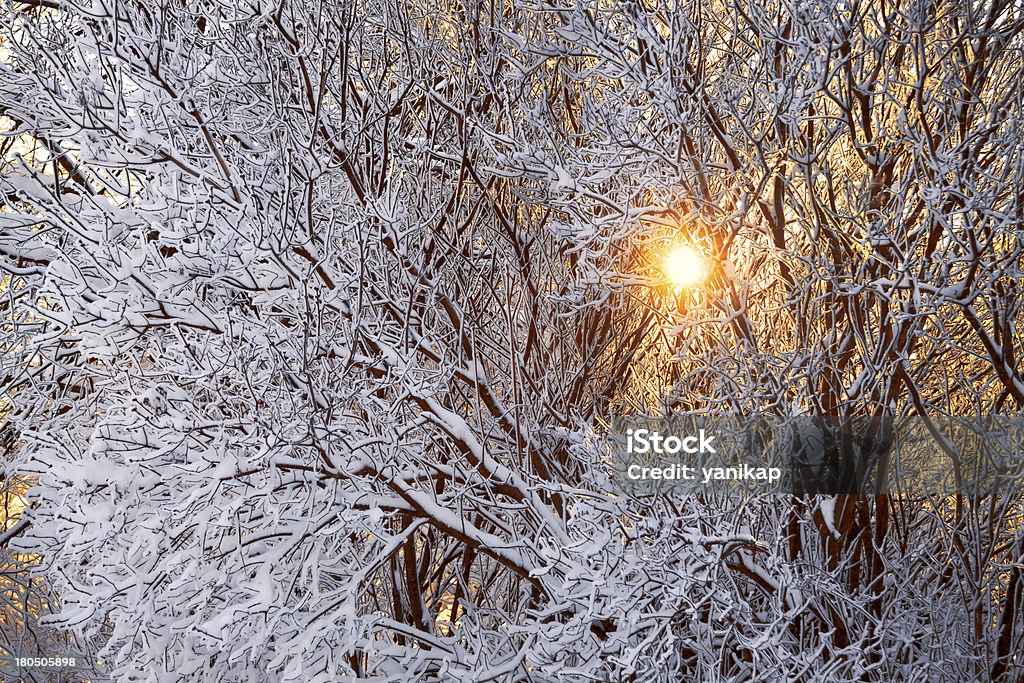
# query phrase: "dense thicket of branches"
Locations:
[[315, 313]]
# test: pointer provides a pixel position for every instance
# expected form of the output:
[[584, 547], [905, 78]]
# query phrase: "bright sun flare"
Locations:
[[685, 267]]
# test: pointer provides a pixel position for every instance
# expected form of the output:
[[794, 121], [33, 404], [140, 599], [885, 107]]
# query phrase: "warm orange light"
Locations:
[[685, 266]]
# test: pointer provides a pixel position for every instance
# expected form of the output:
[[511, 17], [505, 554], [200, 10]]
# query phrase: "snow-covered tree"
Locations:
[[316, 313]]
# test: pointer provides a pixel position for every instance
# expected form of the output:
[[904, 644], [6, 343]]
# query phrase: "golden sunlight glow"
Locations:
[[685, 266]]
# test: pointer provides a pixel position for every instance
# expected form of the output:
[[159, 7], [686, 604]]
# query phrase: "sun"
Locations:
[[685, 266]]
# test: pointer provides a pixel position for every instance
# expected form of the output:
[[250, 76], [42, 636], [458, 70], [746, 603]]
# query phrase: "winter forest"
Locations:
[[315, 316]]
